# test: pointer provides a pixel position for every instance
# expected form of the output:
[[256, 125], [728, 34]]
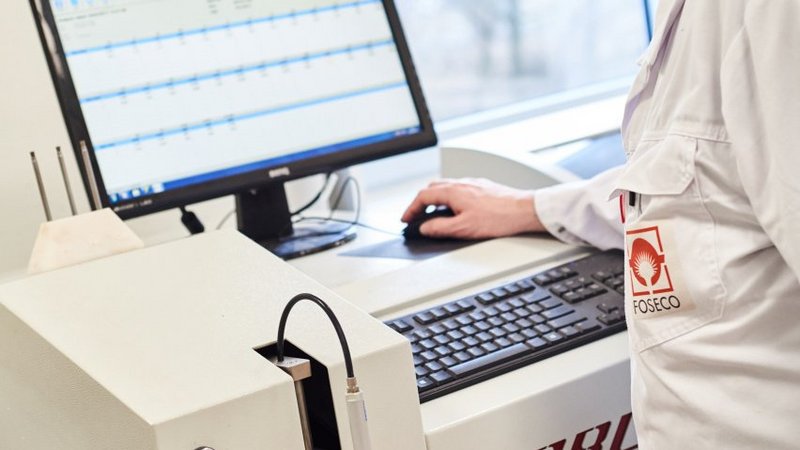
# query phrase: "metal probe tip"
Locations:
[[39, 183]]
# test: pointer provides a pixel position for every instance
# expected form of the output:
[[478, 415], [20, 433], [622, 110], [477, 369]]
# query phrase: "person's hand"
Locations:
[[483, 209]]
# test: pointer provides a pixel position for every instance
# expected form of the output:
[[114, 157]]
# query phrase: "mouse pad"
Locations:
[[416, 249]]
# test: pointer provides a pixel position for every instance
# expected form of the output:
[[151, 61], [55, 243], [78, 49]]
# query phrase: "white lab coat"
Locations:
[[712, 132]]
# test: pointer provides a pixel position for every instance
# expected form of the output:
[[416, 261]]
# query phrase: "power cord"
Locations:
[[356, 407]]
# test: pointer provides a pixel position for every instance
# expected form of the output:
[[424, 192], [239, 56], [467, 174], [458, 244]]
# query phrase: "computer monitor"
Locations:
[[180, 101]]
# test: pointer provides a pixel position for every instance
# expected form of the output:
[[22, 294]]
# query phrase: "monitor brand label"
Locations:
[[279, 172]]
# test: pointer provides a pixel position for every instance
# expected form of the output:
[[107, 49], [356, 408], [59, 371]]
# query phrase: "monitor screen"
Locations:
[[185, 100]]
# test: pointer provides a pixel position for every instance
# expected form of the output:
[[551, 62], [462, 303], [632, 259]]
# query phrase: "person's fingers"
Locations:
[[442, 227], [425, 197]]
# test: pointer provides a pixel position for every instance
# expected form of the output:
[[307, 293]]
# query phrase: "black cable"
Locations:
[[348, 362], [316, 197], [191, 222]]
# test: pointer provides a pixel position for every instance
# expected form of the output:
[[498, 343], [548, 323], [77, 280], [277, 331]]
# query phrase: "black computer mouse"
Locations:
[[411, 231]]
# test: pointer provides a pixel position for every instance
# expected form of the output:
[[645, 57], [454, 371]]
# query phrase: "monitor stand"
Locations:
[[263, 215]]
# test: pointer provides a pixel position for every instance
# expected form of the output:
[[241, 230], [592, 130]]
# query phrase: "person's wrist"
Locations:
[[527, 219]]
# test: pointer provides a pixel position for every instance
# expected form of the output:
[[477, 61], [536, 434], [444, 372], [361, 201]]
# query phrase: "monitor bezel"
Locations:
[[229, 185]]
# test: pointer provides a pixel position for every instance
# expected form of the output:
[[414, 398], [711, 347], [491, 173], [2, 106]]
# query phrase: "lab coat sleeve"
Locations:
[[580, 212], [761, 107]]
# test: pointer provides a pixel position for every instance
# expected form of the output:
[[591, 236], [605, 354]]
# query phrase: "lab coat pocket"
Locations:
[[672, 284]]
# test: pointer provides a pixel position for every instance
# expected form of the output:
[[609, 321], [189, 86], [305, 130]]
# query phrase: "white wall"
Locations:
[[30, 119]]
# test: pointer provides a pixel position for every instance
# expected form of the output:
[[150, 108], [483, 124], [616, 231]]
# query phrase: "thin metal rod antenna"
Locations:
[[66, 181], [41, 187], [87, 164]]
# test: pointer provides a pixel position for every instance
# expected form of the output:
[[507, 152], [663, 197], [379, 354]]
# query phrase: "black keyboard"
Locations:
[[465, 341]]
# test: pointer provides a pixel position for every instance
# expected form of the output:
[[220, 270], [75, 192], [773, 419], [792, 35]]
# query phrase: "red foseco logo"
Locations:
[[647, 265]]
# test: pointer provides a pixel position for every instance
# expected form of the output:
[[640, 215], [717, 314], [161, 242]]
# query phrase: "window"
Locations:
[[475, 55]]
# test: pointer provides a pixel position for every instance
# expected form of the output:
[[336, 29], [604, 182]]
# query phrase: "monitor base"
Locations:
[[308, 239]]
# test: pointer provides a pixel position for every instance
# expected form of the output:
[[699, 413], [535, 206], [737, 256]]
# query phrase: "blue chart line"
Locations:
[[232, 72], [227, 26], [247, 116]]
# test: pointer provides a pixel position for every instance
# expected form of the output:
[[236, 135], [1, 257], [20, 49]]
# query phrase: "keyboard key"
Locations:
[[451, 324], [421, 371], [438, 329], [464, 320], [490, 359], [534, 297], [542, 329], [611, 318], [535, 309], [525, 285], [503, 307], [424, 318], [537, 319], [448, 361], [418, 360], [439, 313], [489, 347], [400, 325], [484, 337], [429, 356], [428, 344], [456, 346], [516, 302], [422, 334], [441, 377], [452, 308], [570, 319], [462, 356], [486, 298], [530, 334], [441, 339], [557, 312], [556, 275], [477, 315], [509, 316], [491, 311], [559, 289], [587, 326], [522, 312], [471, 341], [542, 280], [483, 326], [465, 304], [571, 297], [503, 342], [569, 331], [498, 332], [496, 321], [601, 276], [469, 330], [425, 383], [524, 323], [416, 348], [434, 366], [512, 289], [538, 343], [500, 293], [550, 303], [607, 308], [553, 337], [510, 327], [442, 351], [517, 338], [455, 334], [476, 352]]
